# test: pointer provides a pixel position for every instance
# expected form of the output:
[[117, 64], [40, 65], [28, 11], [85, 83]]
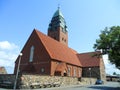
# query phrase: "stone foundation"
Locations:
[[88, 81], [26, 81]]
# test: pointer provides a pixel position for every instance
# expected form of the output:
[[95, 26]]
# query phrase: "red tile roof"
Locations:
[[57, 50], [89, 59]]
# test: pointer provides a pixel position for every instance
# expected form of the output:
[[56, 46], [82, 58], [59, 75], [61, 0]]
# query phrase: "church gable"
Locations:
[[39, 53], [34, 54]]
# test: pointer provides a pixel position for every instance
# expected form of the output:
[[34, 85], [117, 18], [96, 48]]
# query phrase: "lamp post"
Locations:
[[90, 75], [20, 55]]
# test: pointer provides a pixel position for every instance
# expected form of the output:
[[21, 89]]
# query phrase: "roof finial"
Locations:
[[58, 6]]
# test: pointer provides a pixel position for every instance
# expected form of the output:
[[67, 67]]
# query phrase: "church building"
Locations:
[[50, 54]]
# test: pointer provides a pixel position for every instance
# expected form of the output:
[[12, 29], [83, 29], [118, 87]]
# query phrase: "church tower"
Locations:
[[57, 28]]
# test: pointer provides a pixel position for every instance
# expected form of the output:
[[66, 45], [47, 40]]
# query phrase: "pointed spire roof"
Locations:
[[58, 20], [58, 13]]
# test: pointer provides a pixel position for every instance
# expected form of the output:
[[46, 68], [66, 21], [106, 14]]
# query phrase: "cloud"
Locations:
[[110, 68], [5, 45], [8, 54]]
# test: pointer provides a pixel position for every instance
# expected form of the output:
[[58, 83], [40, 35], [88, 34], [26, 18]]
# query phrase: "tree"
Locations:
[[109, 43]]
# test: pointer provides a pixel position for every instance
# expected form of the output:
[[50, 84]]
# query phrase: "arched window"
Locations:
[[31, 54]]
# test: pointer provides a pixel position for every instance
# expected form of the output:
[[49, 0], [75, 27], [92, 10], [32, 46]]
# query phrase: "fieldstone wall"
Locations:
[[25, 81], [28, 80], [88, 81]]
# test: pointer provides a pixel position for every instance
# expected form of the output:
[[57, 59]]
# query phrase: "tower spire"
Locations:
[[57, 28]]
